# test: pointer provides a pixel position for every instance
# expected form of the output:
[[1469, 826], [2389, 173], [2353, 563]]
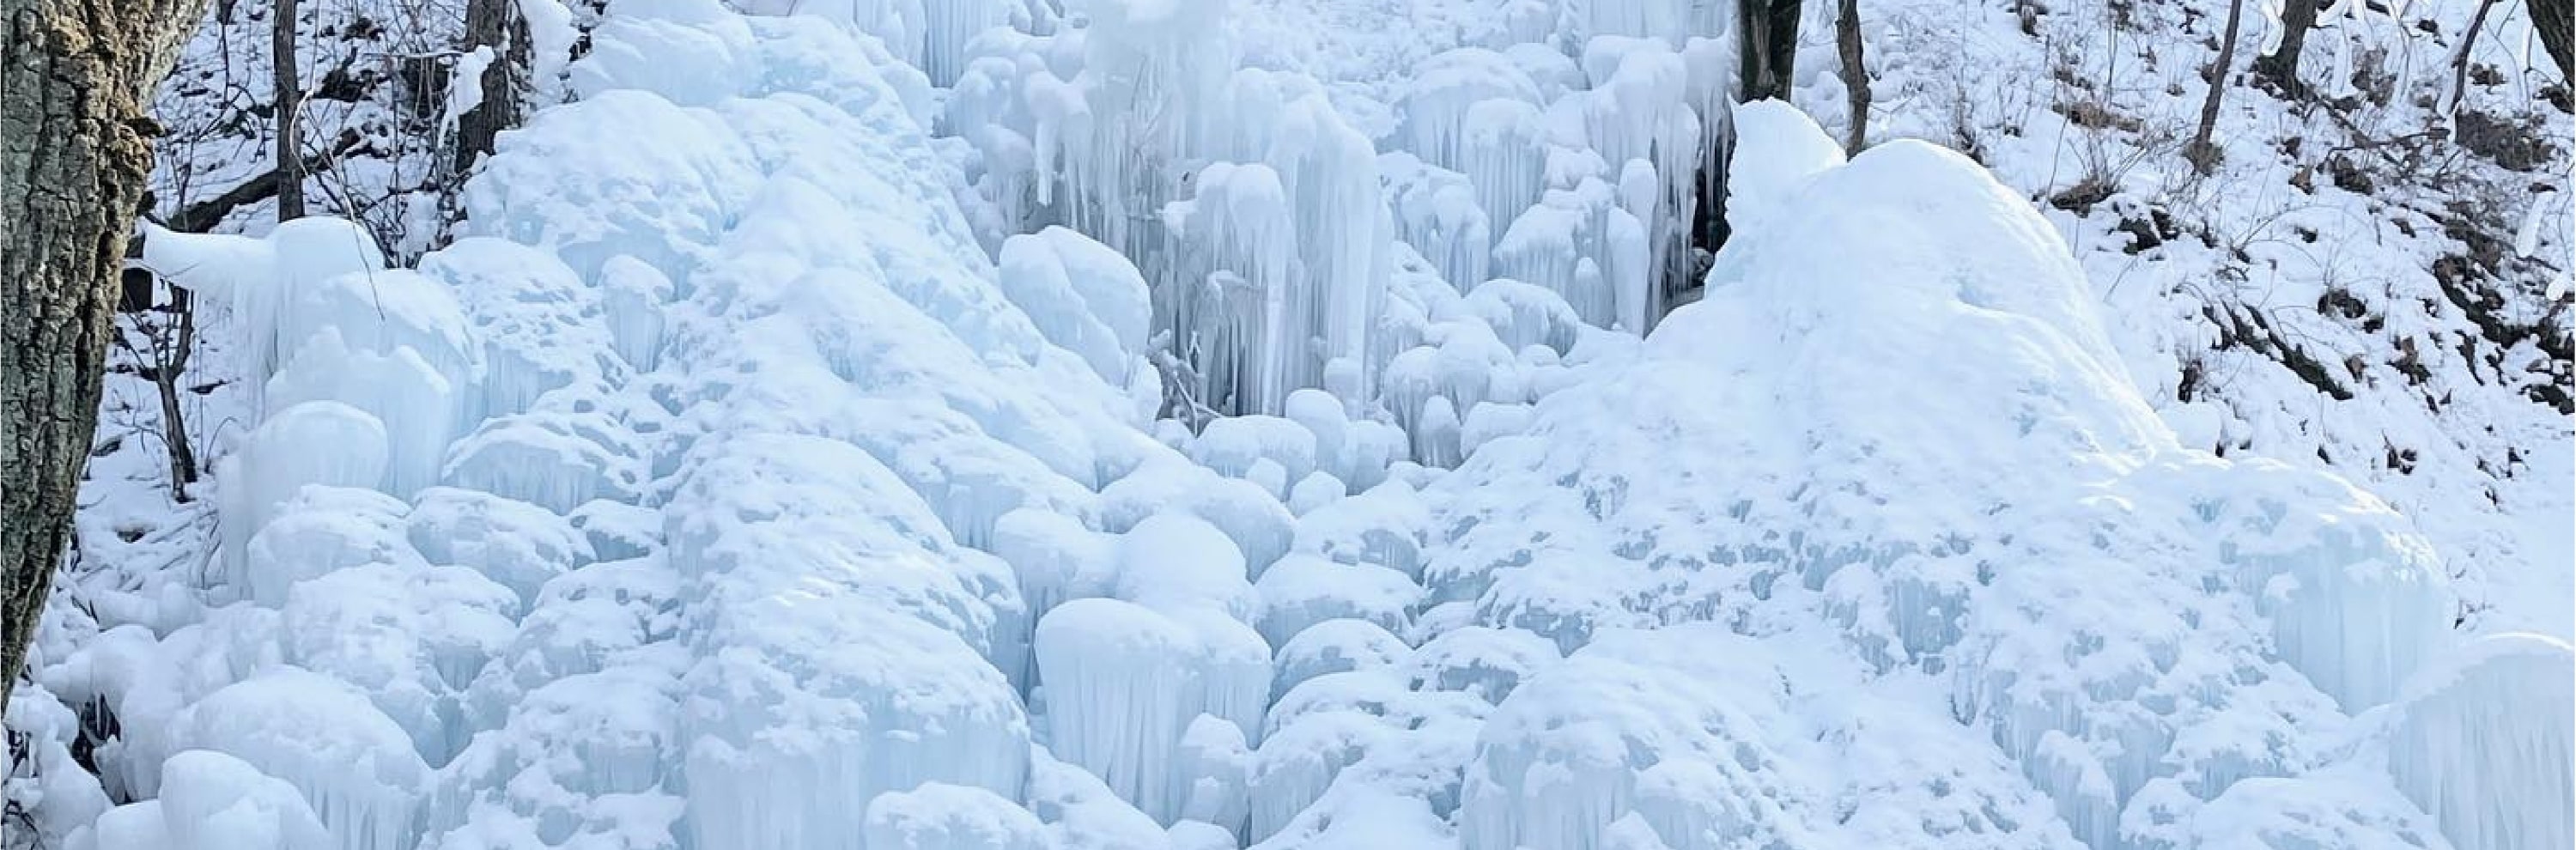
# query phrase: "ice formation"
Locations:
[[2480, 743], [2096, 673], [1251, 205], [760, 470]]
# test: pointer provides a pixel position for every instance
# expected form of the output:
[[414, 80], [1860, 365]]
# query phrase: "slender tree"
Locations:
[[1855, 72], [2202, 152], [2461, 56], [75, 150], [289, 83]]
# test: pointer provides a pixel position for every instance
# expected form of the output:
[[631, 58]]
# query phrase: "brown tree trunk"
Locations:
[[2202, 152], [75, 149], [172, 344], [1855, 73], [2556, 21], [290, 105], [2281, 67]]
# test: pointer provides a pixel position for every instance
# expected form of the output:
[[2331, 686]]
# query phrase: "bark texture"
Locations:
[[1769, 50], [75, 149], [289, 85], [495, 24], [2556, 21]]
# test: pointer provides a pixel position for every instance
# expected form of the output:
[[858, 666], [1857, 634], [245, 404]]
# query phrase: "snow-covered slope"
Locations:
[[774, 462]]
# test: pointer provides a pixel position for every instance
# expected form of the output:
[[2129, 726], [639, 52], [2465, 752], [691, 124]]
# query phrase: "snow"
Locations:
[[776, 456]]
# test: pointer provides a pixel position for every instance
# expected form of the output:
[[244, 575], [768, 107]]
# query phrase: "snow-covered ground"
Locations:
[[1172, 425]]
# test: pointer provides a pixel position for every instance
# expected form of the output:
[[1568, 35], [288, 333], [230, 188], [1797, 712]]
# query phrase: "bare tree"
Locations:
[[75, 150], [289, 104], [159, 338], [2280, 68], [2460, 57], [2202, 152], [1855, 72]]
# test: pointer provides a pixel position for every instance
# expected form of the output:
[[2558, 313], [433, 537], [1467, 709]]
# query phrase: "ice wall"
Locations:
[[2483, 743], [1251, 205]]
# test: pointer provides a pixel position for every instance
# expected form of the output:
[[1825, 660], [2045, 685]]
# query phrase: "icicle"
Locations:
[[1446, 88], [2484, 744], [401, 390], [947, 28], [1504, 156], [1120, 682], [1436, 213]]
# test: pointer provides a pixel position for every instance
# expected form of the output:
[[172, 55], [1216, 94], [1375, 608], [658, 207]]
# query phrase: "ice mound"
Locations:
[[2108, 612], [1706, 737]]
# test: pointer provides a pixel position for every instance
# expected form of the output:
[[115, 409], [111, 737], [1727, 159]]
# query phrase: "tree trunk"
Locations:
[[1855, 73], [495, 24], [75, 76], [2202, 152], [2281, 68], [2556, 21], [1768, 49], [290, 104]]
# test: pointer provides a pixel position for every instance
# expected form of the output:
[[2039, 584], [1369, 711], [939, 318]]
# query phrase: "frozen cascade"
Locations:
[[686, 520], [1436, 213], [401, 390], [1638, 115], [2484, 743], [1446, 89], [2113, 691], [269, 285], [727, 649], [1503, 153], [1269, 264]]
